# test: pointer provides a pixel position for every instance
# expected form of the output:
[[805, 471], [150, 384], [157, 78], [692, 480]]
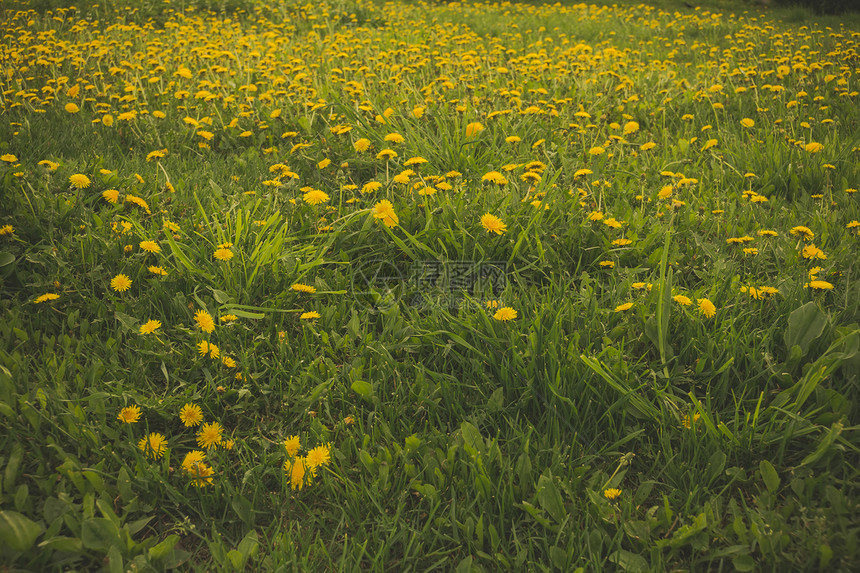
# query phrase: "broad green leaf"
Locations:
[[769, 475], [714, 469], [61, 543], [99, 533], [558, 556], [236, 559], [549, 498], [6, 258], [243, 508], [824, 445], [249, 545], [362, 388], [18, 531], [805, 324], [129, 323], [115, 560], [465, 565], [472, 438], [163, 549], [744, 563], [629, 561]]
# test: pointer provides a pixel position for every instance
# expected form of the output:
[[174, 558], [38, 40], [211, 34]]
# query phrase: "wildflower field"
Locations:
[[412, 286]]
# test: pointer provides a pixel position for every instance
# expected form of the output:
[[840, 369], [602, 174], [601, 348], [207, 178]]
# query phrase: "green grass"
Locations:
[[458, 441]]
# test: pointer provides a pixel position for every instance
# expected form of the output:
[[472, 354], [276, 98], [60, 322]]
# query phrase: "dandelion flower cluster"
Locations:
[[384, 211]]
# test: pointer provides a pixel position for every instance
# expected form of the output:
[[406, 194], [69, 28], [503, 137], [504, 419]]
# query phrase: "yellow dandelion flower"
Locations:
[[153, 445], [493, 224], [414, 161], [150, 326], [682, 300], [371, 186], [319, 456], [204, 321], [804, 232], [292, 445], [192, 458], [309, 315], [156, 270], [688, 422], [505, 313], [158, 154], [129, 415], [223, 254], [120, 283], [196, 469], [623, 307], [315, 197], [812, 252], [474, 129], [361, 145], [706, 307], [209, 435], [191, 415], [150, 246], [45, 298], [384, 211], [300, 287], [819, 285], [495, 177], [79, 181], [296, 471]]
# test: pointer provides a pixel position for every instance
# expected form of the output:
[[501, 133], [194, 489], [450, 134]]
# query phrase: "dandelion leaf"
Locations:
[[17, 531], [805, 325]]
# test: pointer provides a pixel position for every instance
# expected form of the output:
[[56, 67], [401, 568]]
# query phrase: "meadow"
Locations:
[[413, 286]]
